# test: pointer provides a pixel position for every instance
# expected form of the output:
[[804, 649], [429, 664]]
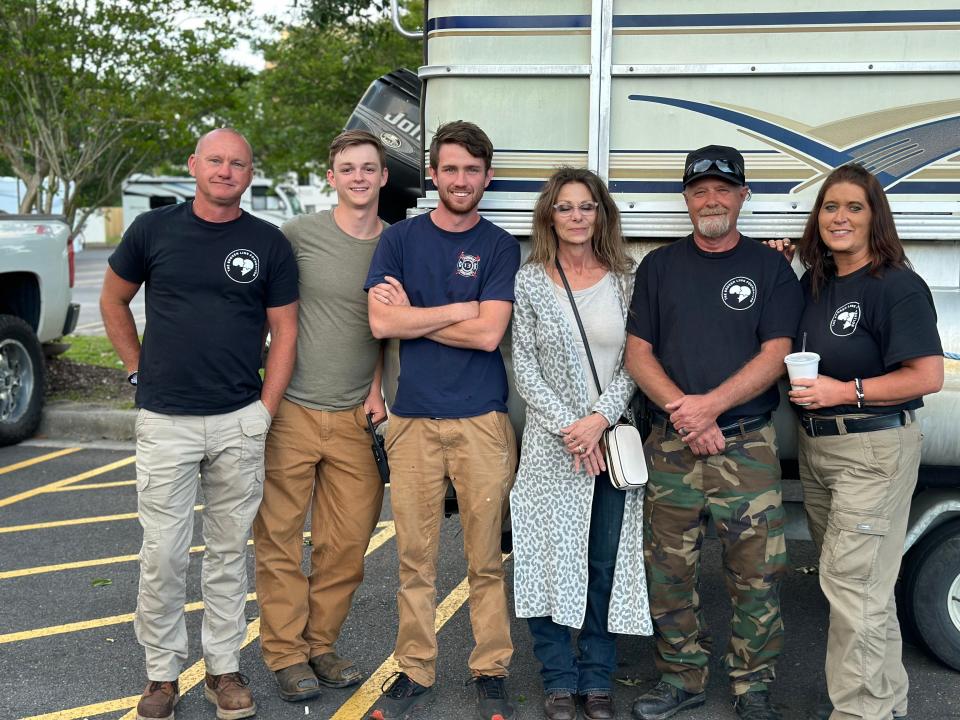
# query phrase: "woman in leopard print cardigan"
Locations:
[[578, 560]]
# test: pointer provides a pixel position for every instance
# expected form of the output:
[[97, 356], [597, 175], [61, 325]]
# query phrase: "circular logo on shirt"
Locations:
[[467, 265], [242, 266], [739, 293], [845, 319]]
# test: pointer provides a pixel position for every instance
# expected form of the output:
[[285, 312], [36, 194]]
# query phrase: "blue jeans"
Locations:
[[593, 670]]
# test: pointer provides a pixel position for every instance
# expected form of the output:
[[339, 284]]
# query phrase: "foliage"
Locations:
[[317, 72], [91, 90], [92, 350]]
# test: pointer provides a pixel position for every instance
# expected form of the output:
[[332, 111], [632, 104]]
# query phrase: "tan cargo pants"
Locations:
[[857, 489], [479, 455], [318, 462], [222, 455]]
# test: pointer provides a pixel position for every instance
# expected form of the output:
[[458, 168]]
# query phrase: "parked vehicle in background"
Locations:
[[275, 203], [36, 281], [628, 87]]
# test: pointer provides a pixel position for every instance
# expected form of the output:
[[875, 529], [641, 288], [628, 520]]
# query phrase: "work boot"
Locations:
[[492, 702], [335, 672], [230, 694], [664, 700], [559, 705], [158, 700], [598, 705], [755, 705], [297, 682], [401, 699]]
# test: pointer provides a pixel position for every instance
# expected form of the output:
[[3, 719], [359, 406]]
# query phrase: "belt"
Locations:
[[740, 427], [823, 426]]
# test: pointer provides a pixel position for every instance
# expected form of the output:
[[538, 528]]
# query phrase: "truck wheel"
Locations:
[[21, 380], [931, 590]]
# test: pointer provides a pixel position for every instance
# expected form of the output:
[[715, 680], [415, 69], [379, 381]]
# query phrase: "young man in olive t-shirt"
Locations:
[[318, 455]]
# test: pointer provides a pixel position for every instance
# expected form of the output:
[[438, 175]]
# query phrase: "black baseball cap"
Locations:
[[717, 161]]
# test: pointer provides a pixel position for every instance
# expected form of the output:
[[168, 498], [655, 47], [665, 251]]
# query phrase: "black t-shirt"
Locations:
[[208, 288], [706, 314], [865, 326]]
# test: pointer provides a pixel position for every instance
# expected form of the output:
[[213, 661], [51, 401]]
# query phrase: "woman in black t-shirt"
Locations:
[[873, 323]]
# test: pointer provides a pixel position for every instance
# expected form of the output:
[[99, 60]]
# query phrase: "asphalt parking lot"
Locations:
[[68, 580]]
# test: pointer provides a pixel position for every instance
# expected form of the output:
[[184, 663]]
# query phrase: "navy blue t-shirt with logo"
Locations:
[[437, 267], [865, 326], [208, 286], [706, 314]]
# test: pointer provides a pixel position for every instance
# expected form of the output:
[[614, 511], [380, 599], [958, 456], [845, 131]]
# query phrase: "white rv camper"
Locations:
[[264, 199], [628, 87]]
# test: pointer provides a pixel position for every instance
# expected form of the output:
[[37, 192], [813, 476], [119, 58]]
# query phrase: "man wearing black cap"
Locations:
[[712, 317]]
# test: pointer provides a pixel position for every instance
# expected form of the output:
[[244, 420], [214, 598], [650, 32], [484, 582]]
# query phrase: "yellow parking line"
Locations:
[[193, 675], [89, 624], [37, 460], [75, 521], [79, 564], [51, 487], [366, 695], [95, 486]]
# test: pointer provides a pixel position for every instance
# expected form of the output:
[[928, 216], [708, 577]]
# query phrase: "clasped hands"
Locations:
[[695, 420], [582, 440]]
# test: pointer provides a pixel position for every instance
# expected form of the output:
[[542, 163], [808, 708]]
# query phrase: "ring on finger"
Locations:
[[581, 449]]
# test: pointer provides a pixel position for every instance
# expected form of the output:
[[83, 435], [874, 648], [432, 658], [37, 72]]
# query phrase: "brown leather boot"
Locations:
[[158, 700], [230, 694]]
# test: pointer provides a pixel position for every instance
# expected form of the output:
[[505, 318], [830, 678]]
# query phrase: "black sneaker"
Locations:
[[401, 699], [756, 705], [664, 700], [492, 703]]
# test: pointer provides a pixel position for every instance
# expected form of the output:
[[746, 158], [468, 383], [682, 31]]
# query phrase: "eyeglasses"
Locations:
[[705, 164], [585, 208]]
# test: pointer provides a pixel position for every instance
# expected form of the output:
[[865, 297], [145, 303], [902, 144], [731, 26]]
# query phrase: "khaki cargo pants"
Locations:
[[479, 455], [857, 489], [317, 462], [222, 455]]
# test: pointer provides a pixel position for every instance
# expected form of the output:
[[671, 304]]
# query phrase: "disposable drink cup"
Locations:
[[803, 365]]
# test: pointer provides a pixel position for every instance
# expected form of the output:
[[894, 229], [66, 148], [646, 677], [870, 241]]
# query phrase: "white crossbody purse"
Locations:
[[622, 444]]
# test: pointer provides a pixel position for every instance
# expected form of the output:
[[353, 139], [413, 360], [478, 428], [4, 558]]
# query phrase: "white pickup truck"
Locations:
[[36, 278]]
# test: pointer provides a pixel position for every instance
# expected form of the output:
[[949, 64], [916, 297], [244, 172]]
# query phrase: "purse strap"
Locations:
[[583, 333]]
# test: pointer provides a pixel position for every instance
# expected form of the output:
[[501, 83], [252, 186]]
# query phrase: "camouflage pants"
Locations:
[[740, 491]]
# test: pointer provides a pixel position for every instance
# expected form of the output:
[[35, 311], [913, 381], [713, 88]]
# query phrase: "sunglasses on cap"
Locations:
[[704, 164]]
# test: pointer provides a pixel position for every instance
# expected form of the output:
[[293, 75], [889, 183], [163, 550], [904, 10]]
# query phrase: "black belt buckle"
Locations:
[[809, 425]]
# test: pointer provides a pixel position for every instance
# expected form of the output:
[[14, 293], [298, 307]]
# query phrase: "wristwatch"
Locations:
[[858, 388], [132, 377]]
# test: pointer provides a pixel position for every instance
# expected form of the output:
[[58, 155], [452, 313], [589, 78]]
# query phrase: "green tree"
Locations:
[[316, 73], [91, 90]]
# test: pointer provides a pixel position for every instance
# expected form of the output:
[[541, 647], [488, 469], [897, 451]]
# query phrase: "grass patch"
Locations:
[[92, 350]]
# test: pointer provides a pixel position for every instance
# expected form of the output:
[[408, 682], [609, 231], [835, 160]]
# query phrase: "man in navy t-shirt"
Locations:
[[712, 317], [443, 284], [216, 278]]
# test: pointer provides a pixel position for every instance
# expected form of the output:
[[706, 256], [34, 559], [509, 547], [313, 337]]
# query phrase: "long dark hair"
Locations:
[[607, 240], [884, 244]]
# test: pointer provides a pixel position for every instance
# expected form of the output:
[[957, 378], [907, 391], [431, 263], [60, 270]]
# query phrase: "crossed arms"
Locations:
[[472, 325]]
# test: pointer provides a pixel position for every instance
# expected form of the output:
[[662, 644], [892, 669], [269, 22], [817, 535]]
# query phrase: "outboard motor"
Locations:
[[390, 109]]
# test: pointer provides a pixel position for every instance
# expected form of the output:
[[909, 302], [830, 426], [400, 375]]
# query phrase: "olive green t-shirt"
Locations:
[[336, 353]]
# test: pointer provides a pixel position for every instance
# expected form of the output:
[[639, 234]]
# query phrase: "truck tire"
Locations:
[[931, 592], [22, 380]]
